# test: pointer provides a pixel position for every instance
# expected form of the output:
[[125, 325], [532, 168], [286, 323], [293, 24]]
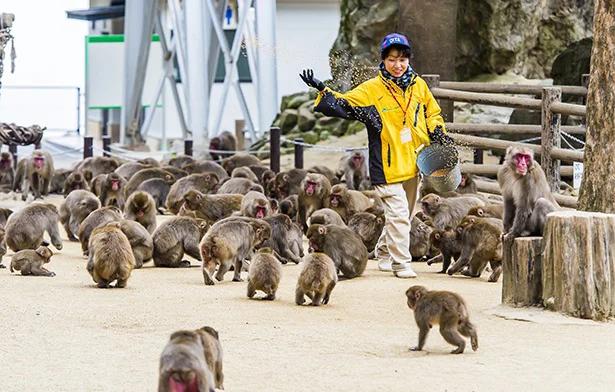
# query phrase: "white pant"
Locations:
[[399, 201]]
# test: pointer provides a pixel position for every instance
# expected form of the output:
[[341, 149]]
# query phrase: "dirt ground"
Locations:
[[63, 333]]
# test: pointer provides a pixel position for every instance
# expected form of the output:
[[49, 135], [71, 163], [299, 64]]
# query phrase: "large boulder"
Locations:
[[572, 63], [306, 120], [288, 120]]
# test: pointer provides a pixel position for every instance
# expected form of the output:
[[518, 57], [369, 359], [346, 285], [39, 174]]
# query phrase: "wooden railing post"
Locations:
[[13, 151], [188, 147], [274, 147], [88, 144], [298, 154], [106, 145], [551, 136]]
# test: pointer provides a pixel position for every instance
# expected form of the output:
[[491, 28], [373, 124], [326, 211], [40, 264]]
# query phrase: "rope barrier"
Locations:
[[323, 148], [288, 149], [581, 142], [124, 157]]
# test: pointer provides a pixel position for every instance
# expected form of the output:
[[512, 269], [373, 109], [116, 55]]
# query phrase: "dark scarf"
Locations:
[[403, 81]]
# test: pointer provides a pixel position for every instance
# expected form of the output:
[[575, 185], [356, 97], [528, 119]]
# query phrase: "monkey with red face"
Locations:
[[526, 193]]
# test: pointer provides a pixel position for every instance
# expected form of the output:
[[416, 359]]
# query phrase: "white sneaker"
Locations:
[[404, 271], [385, 265]]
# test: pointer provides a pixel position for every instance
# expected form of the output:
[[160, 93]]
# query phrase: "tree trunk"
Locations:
[[578, 264], [598, 187], [522, 270]]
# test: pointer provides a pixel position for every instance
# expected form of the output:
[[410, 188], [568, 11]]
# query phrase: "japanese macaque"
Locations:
[[200, 167], [158, 189], [181, 161], [317, 279], [420, 245], [75, 181], [369, 227], [205, 182], [36, 173], [239, 186], [25, 228], [2, 246], [286, 239], [448, 212], [289, 206], [268, 183], [191, 362], [111, 257], [140, 240], [314, 192], [211, 208], [224, 142], [326, 216], [144, 175], [177, 173], [245, 172], [238, 160], [448, 310], [30, 262], [141, 207], [288, 182], [75, 208], [342, 245], [325, 171], [491, 211], [526, 192], [480, 244], [111, 192], [97, 218], [449, 244], [4, 216], [175, 237], [264, 274], [57, 180], [255, 205], [354, 169], [97, 166], [467, 184], [7, 172], [149, 161], [128, 169], [228, 243], [347, 202], [258, 171]]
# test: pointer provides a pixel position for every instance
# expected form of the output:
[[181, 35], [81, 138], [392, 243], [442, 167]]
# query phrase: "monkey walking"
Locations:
[[264, 274], [448, 310], [30, 262], [317, 279]]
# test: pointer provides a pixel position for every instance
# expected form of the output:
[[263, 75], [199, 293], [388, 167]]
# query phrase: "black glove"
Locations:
[[438, 136], [308, 77]]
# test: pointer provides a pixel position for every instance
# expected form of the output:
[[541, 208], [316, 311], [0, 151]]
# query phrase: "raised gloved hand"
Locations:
[[308, 77], [438, 136]]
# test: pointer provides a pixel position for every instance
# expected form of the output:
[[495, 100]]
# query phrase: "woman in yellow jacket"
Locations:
[[400, 114]]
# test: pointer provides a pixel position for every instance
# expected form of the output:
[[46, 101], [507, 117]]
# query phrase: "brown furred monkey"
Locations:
[[314, 192], [223, 142], [75, 208], [211, 208], [288, 182], [26, 227], [229, 164], [191, 362], [317, 279], [7, 172], [286, 239], [30, 262], [326, 216], [255, 205], [140, 240], [342, 245], [493, 211], [144, 175], [141, 207], [448, 310], [97, 218], [228, 243], [111, 257], [354, 169], [369, 227], [526, 193], [449, 243], [467, 184], [111, 191], [264, 274], [75, 181], [448, 212], [175, 237], [37, 171], [239, 186], [2, 246], [204, 182], [347, 202]]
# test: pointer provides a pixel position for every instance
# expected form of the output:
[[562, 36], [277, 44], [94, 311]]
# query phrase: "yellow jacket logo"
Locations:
[[389, 109]]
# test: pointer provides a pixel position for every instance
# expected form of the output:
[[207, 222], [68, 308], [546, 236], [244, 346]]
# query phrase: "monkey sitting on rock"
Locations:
[[445, 308]]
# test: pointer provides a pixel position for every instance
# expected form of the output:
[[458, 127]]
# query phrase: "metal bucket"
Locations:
[[441, 164]]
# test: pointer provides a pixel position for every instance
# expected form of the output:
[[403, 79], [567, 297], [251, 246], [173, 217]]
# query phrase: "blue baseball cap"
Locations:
[[394, 39]]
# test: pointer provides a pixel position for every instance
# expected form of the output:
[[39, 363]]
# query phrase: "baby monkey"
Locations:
[[30, 262], [445, 308]]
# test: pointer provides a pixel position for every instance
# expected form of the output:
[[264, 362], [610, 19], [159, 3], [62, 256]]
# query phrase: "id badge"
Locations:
[[405, 135]]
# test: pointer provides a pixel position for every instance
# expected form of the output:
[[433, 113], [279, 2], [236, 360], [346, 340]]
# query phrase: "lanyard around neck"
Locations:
[[400, 106]]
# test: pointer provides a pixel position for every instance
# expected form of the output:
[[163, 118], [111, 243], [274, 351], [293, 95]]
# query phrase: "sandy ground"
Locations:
[[63, 333]]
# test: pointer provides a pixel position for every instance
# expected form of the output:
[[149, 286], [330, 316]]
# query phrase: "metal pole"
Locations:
[[188, 147], [267, 64], [78, 110], [106, 145], [274, 147], [13, 151], [198, 27], [88, 151], [298, 154]]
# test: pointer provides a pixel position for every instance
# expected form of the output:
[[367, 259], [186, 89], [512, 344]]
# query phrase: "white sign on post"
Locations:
[[577, 170]]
